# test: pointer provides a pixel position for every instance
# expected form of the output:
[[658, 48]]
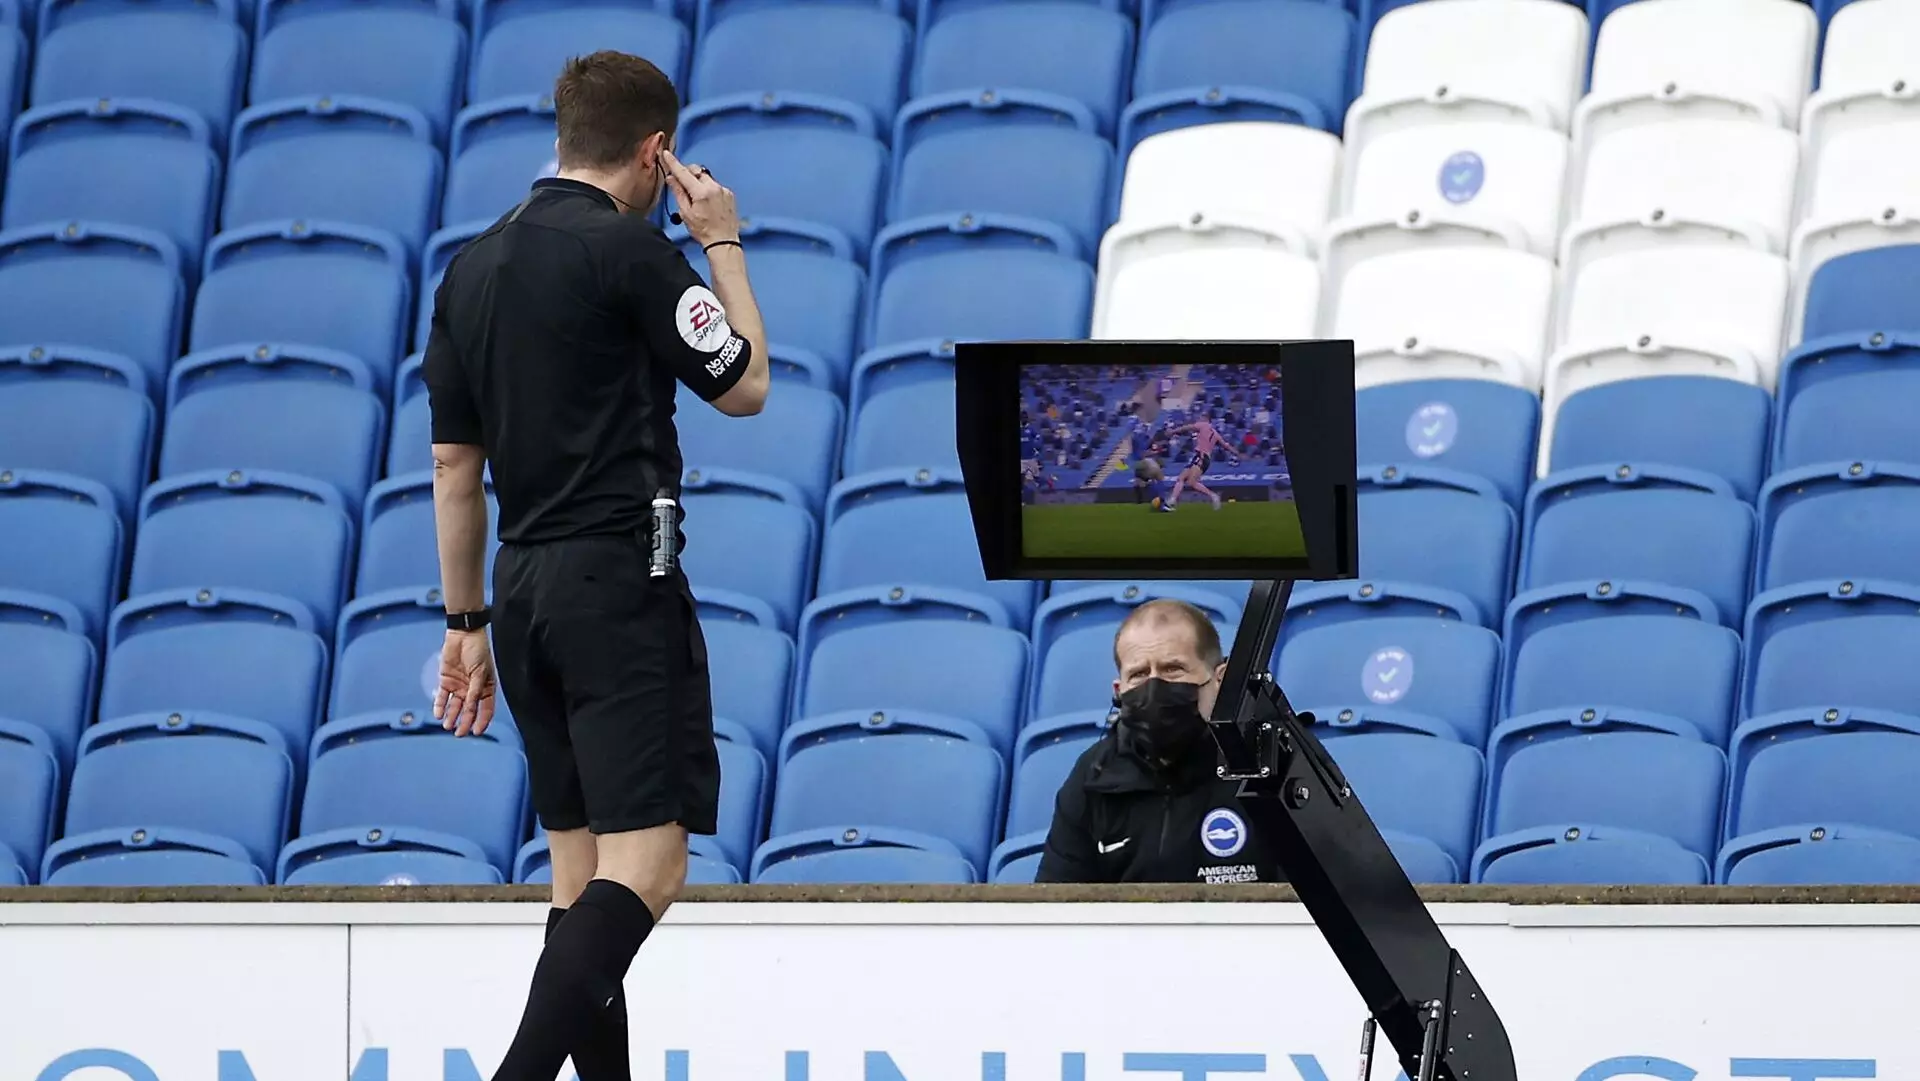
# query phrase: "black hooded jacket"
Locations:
[[1116, 820]]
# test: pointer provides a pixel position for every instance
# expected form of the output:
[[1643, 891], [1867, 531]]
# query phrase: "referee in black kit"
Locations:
[[557, 338]]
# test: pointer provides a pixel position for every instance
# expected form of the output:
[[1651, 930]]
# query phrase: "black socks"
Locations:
[[576, 1005]]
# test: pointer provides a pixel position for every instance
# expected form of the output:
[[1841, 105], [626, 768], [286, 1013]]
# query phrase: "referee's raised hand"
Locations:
[[706, 207], [463, 704]]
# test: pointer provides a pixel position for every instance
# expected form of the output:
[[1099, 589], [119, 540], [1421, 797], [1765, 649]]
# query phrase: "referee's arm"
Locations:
[[721, 355]]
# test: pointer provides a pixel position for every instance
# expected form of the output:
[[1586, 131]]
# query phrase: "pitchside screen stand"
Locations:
[[1417, 988]]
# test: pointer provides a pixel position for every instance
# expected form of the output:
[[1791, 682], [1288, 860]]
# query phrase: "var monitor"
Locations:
[[1159, 459]]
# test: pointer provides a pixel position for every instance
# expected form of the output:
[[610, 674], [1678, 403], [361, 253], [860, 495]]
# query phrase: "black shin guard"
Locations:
[[576, 983]]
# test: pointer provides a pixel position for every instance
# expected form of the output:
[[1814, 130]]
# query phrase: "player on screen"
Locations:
[[1149, 477], [1207, 441]]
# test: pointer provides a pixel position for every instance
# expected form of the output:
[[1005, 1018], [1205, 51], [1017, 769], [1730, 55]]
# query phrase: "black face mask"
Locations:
[[1160, 721]]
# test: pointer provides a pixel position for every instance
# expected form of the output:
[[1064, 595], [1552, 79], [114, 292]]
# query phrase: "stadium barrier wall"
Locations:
[[943, 990]]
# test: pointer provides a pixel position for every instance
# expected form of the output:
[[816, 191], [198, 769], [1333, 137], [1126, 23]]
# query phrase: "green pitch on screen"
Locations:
[[1258, 530]]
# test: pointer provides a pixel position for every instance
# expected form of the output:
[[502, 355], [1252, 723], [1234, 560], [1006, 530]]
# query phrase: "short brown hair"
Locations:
[[606, 104], [1206, 637]]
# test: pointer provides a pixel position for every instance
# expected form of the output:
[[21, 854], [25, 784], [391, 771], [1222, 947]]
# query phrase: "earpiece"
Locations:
[[674, 217]]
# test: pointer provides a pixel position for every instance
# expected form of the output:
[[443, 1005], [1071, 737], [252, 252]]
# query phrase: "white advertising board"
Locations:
[[928, 992]]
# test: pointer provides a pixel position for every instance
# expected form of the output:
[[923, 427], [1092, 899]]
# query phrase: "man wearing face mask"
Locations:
[[1143, 804]]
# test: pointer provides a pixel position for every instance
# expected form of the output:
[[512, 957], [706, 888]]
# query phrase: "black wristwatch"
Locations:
[[469, 621]]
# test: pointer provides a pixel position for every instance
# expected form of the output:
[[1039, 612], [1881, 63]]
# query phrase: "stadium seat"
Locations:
[[311, 413], [13, 74], [229, 779], [315, 284], [1870, 290], [1648, 65], [72, 161], [1447, 313], [386, 655], [1651, 542], [1582, 855], [176, 867], [1043, 758], [815, 177], [396, 868], [224, 652], [410, 53], [398, 549], [1864, 73], [64, 542], [399, 779], [966, 670], [1639, 774], [746, 791], [1840, 520], [1431, 64], [1694, 422], [498, 148], [272, 532], [858, 859], [801, 49], [1843, 399], [1075, 673], [1395, 671], [1442, 428], [1798, 770], [47, 393], [47, 675], [752, 673], [351, 160], [1198, 278], [1423, 860], [52, 279], [1699, 181], [1666, 671], [1279, 178], [1018, 871], [942, 171], [1107, 605], [1449, 540], [745, 545], [1080, 52], [522, 46], [795, 439], [1853, 200], [1241, 60], [410, 446], [29, 794], [901, 428], [1416, 785], [811, 300], [1831, 647], [442, 246], [859, 770], [1821, 856], [984, 293], [191, 55]]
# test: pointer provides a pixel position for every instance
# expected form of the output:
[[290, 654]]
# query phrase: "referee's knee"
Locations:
[[650, 862]]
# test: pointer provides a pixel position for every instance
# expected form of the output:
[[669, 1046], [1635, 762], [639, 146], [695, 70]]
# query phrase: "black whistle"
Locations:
[[666, 535]]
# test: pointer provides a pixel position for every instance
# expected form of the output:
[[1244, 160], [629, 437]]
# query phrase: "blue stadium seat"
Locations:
[[73, 160], [707, 871], [796, 438], [948, 166], [1045, 756], [1843, 398], [937, 779], [398, 547], [193, 55], [271, 532], [335, 158], [1803, 769], [442, 246], [1635, 548], [410, 445], [1449, 426], [315, 284], [63, 541], [1830, 645], [707, 14], [396, 868], [394, 779], [950, 668], [976, 276], [894, 367], [1242, 60], [1107, 605], [47, 675], [1075, 673], [523, 44], [744, 545], [903, 427], [29, 793], [752, 673], [802, 49], [13, 74], [1821, 856], [1583, 855], [312, 413], [1444, 539], [225, 652], [746, 792], [1658, 668], [52, 279], [143, 778], [411, 53], [11, 872], [1710, 425], [499, 147], [1415, 785], [1079, 52], [1840, 520], [800, 179], [387, 653], [1862, 292], [867, 863], [811, 301], [1645, 774], [1396, 669], [164, 867], [47, 393]]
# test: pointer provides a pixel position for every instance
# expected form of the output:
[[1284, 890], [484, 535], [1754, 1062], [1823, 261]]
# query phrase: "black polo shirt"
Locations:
[[557, 336]]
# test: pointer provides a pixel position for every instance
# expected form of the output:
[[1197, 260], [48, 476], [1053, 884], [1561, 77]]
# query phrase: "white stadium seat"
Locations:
[[1447, 313], [1694, 310], [1738, 59], [1441, 61], [1864, 192], [1684, 182], [1282, 177], [1869, 72], [1197, 278], [1483, 183]]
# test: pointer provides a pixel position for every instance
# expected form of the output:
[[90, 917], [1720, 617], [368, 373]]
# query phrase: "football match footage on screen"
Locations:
[[1183, 461]]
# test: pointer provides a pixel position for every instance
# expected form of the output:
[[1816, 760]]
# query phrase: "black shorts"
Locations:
[[1201, 462], [605, 670]]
